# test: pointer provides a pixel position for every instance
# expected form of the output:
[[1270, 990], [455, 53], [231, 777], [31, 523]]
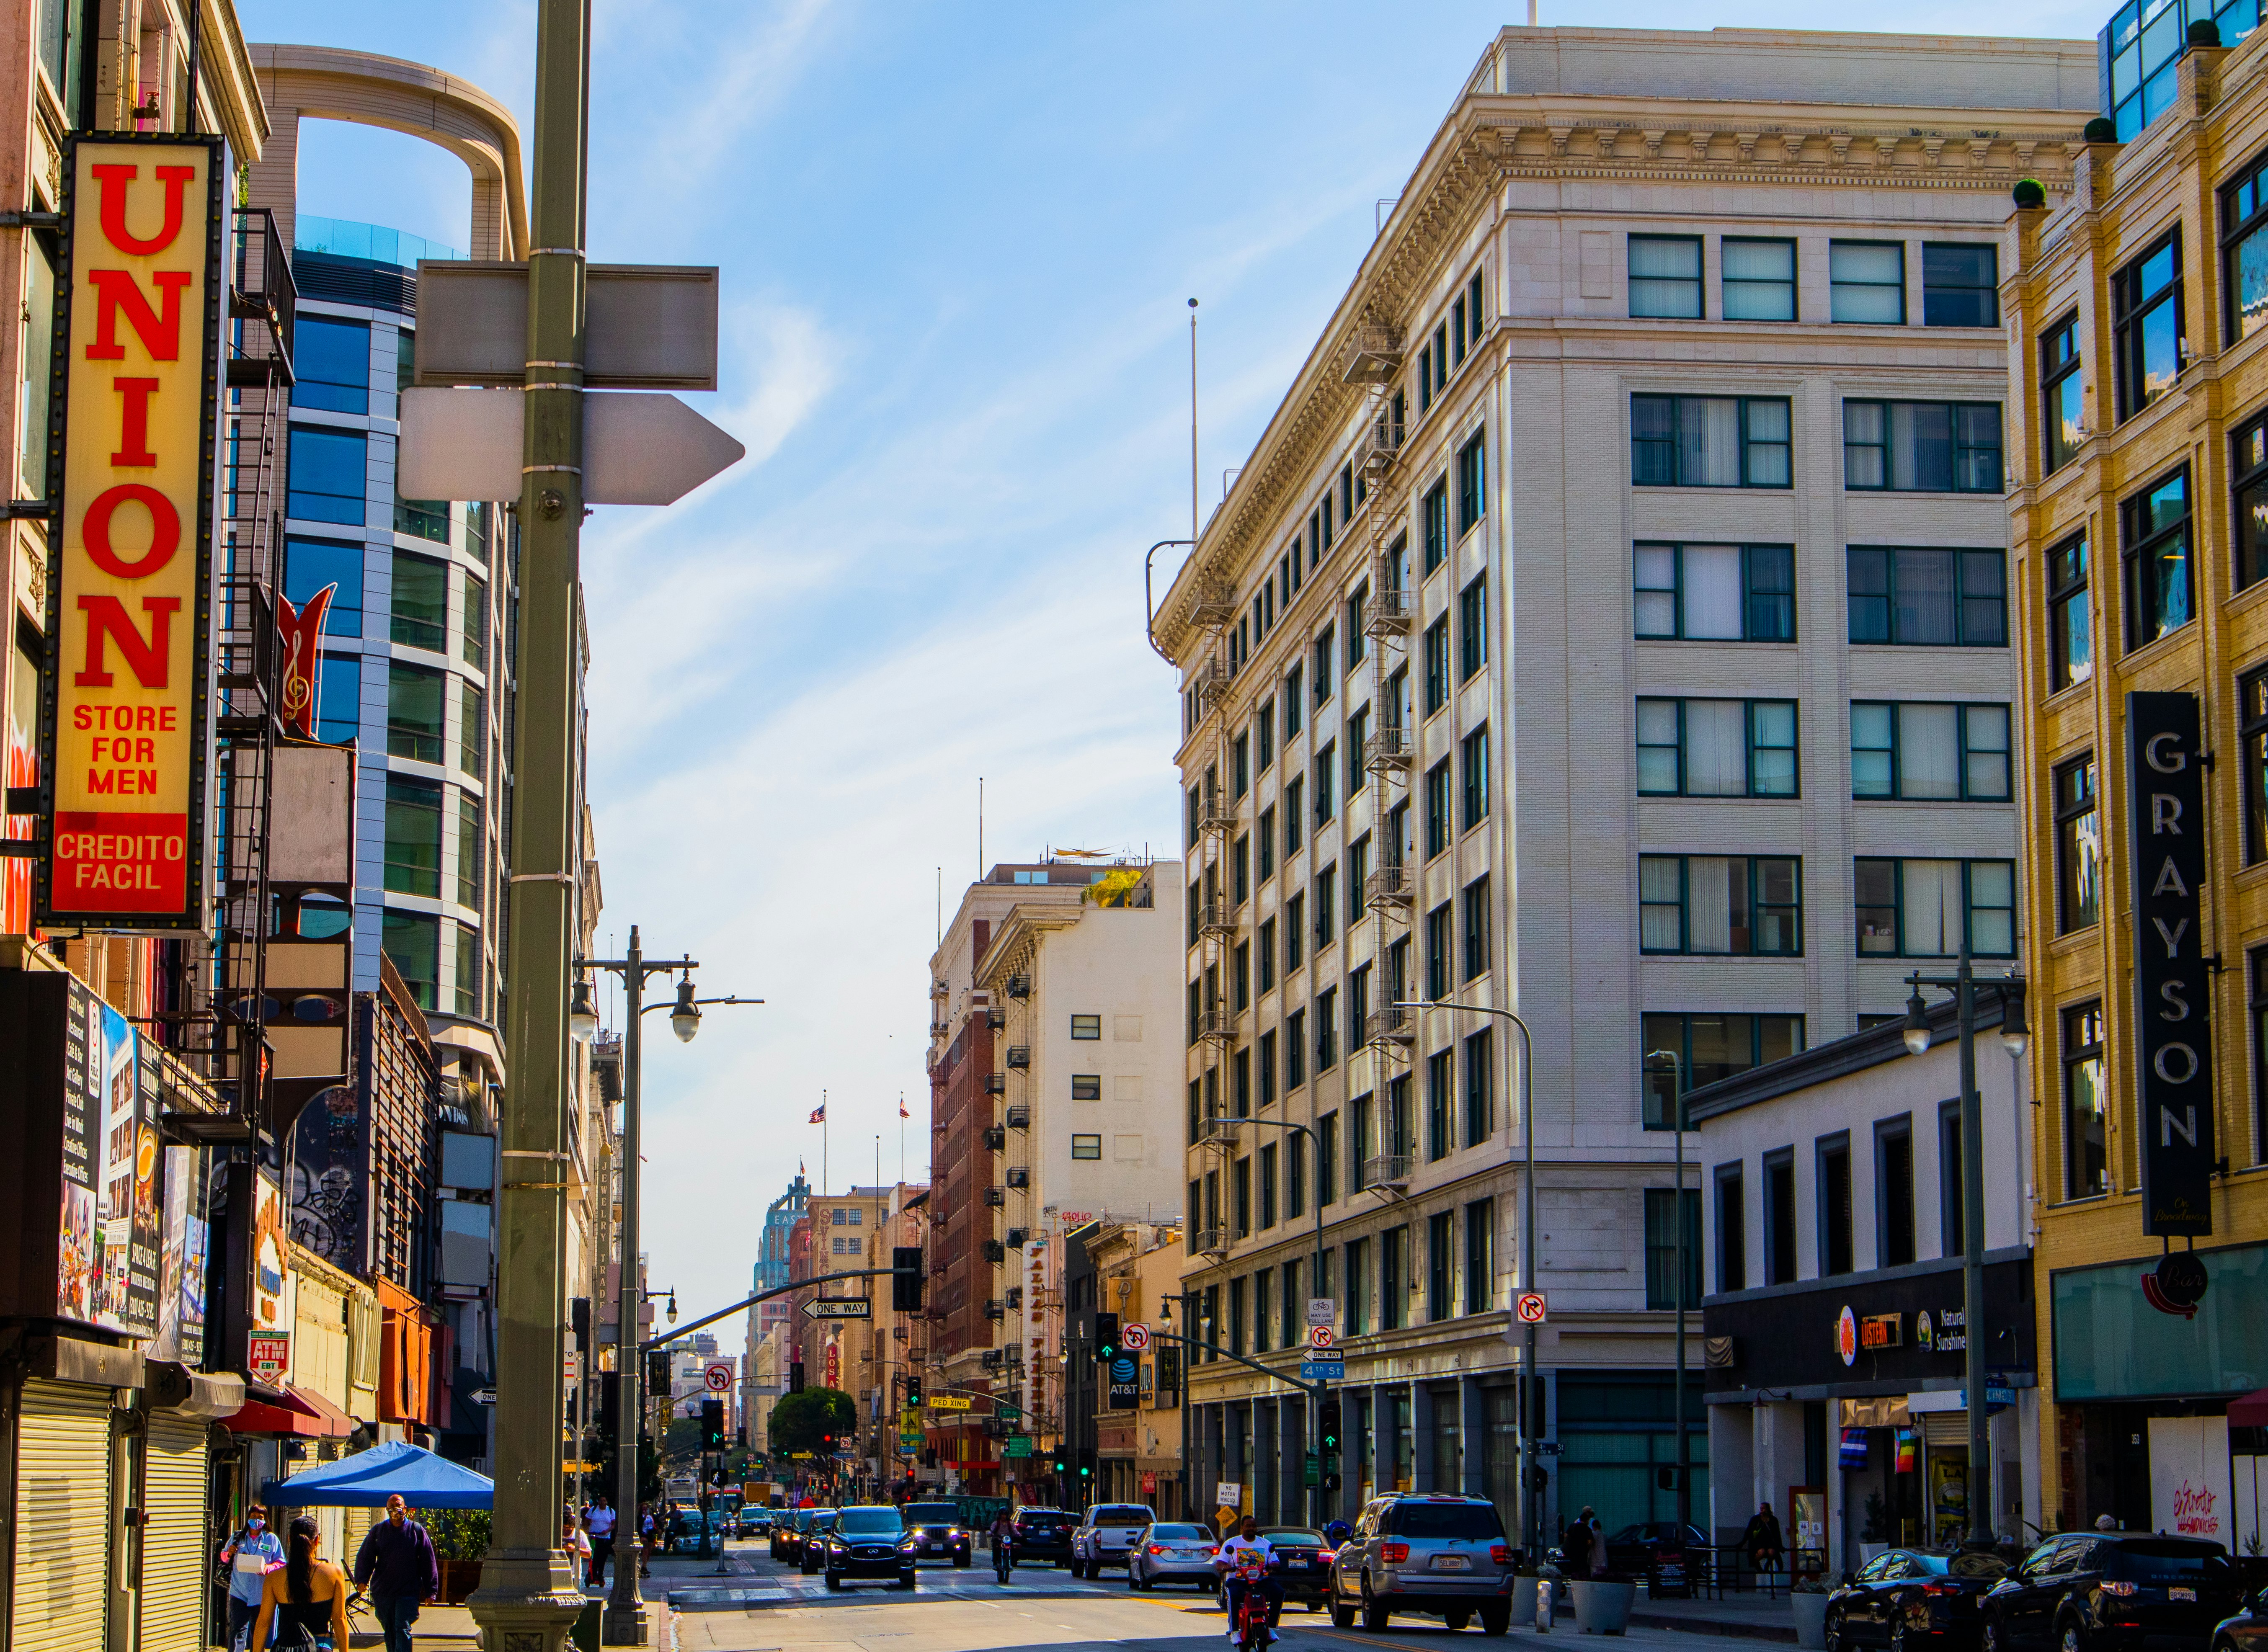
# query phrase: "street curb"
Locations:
[[1713, 1625]]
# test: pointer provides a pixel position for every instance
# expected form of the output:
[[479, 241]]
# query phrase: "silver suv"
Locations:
[[1106, 1536], [1443, 1556]]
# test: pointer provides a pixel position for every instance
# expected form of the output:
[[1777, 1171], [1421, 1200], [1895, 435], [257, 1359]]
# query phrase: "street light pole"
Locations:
[[1677, 1217]]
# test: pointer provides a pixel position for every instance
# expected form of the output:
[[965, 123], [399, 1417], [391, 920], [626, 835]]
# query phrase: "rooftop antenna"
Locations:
[[1193, 409], [980, 829]]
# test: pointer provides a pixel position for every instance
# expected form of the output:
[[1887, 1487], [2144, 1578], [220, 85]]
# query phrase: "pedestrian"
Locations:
[[1762, 1540], [251, 1554], [599, 1520], [577, 1545], [2106, 1523], [399, 1567], [1575, 1547], [304, 1597]]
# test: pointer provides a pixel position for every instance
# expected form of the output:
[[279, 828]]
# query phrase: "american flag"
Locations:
[[819, 1113]]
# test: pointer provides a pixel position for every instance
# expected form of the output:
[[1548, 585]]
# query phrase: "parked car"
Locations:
[[1633, 1548], [811, 1554], [788, 1532], [1437, 1554], [2109, 1591], [938, 1532], [1910, 1596], [870, 1541], [1303, 1565], [2245, 1631], [1106, 1535], [1042, 1535], [1172, 1552], [753, 1523], [685, 1533]]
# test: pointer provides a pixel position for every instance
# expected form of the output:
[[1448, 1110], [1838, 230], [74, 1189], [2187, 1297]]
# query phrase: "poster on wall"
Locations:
[[181, 1267], [327, 1176], [108, 1259], [274, 1298], [2189, 1477]]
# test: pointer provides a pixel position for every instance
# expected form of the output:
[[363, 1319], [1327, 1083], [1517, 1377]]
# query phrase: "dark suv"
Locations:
[[2106, 1591], [1041, 1534], [936, 1533], [1441, 1555], [868, 1542]]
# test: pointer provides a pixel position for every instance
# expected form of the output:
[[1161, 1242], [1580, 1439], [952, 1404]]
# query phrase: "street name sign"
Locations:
[[1007, 1412], [1018, 1445], [839, 1308], [637, 450], [645, 327], [1330, 1369]]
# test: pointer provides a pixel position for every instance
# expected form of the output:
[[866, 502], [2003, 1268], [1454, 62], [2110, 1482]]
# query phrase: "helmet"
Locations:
[[1339, 1531]]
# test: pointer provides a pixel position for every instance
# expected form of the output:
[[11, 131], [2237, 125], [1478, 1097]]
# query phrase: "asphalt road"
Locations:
[[758, 1606]]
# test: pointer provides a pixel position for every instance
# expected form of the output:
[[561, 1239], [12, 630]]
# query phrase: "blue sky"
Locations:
[[957, 243]]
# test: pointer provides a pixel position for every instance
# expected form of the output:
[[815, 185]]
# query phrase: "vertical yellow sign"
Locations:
[[137, 404]]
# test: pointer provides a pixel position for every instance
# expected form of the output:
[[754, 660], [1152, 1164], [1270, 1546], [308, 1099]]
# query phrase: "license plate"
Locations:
[[1451, 1563], [2181, 1594], [937, 1548]]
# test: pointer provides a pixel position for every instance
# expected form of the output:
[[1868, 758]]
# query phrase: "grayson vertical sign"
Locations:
[[2173, 1048], [135, 394]]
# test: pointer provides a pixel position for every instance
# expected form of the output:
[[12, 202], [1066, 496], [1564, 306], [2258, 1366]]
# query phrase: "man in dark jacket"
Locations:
[[397, 1564]]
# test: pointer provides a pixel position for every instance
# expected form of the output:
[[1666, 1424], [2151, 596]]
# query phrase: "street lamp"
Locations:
[[582, 1013], [2016, 1038], [625, 1622], [1677, 1220]]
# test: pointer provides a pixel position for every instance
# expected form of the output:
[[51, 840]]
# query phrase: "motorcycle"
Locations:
[[1253, 1608]]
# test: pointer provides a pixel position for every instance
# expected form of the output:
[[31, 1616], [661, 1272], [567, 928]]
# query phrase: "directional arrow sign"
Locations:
[[840, 1308], [638, 449]]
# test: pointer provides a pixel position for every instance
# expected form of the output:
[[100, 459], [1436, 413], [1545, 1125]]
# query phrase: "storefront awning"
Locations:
[[2251, 1412], [299, 1412]]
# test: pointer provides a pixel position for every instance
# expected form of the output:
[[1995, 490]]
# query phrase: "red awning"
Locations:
[[299, 1412], [2251, 1412]]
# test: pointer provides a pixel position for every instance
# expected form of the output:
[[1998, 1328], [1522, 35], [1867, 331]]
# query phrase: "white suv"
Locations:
[[1106, 1536]]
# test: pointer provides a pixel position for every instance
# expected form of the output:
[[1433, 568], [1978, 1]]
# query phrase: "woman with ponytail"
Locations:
[[306, 1598]]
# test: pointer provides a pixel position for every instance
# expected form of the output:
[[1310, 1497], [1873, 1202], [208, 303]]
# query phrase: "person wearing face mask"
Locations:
[[251, 1554]]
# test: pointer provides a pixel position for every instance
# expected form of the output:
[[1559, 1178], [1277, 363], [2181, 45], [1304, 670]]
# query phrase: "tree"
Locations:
[[800, 1421]]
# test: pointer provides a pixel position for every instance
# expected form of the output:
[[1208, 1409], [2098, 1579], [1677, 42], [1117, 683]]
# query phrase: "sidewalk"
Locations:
[[1750, 1616], [452, 1629]]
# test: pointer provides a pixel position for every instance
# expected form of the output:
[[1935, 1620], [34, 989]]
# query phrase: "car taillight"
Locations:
[[1392, 1552], [1501, 1553], [1940, 1588], [1156, 1548], [2112, 1586]]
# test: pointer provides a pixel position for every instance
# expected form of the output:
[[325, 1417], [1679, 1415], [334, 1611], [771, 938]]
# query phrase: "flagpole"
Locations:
[[823, 1144]]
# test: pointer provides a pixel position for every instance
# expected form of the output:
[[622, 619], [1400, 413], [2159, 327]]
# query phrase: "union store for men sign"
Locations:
[[2173, 1047], [135, 390]]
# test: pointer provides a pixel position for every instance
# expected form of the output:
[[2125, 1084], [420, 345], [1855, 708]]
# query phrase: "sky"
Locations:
[[957, 244]]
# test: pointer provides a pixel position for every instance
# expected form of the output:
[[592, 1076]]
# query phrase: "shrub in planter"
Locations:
[[1602, 1603], [1807, 1596]]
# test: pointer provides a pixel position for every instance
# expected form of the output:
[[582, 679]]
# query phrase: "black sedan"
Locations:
[[938, 1532], [1302, 1564], [1042, 1535], [1912, 1597], [811, 1554], [787, 1532], [1633, 1549], [868, 1542], [2245, 1632], [2112, 1591]]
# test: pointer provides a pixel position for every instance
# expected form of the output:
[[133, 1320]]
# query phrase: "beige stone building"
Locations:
[[1137, 1447], [1610, 626]]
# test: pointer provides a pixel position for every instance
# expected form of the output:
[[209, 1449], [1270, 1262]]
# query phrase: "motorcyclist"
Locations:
[[1248, 1560], [1004, 1537]]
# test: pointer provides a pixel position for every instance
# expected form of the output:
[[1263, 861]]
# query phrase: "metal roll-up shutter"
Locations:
[[1945, 1428], [63, 1517], [174, 1563]]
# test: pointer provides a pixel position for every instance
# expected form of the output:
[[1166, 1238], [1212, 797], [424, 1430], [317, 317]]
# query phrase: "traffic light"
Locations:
[[795, 1377], [906, 1288], [712, 1425], [1105, 1337], [913, 1392], [1327, 1420], [1086, 1462]]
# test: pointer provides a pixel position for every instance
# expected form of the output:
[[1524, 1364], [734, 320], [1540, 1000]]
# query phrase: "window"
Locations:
[[1727, 592], [338, 698], [1779, 1217], [1437, 951], [1087, 1087], [1324, 675], [1358, 1288], [1087, 1146], [2252, 732], [1893, 1192], [310, 564], [1437, 665], [1326, 768], [2147, 39], [468, 995], [2086, 1151], [1928, 597], [1240, 764], [1327, 1158], [2155, 537], [422, 518], [1242, 989], [2063, 389], [1357, 639], [1294, 797], [1394, 1281], [1710, 442], [1710, 1045], [1716, 748], [413, 836], [1292, 703], [1759, 279], [1831, 1170], [420, 617], [1295, 940], [2070, 621], [471, 841], [1437, 523], [1440, 830], [1743, 906], [1919, 750], [1440, 1263], [413, 942], [2078, 845], [1480, 1088], [1441, 1102], [1866, 281], [1086, 1026], [1326, 915], [1473, 763], [1732, 1230], [1240, 1197], [1266, 833], [1472, 628], [413, 713], [1295, 1049], [1267, 1068], [1480, 1256], [1264, 724], [2145, 329], [1476, 903], [1295, 1178], [1960, 283], [1665, 276], [2249, 504], [2259, 1005], [1472, 482], [1916, 908], [472, 728], [330, 364], [1326, 1029], [2244, 251], [1266, 943], [329, 474], [1922, 446], [1267, 1186], [1663, 1250]]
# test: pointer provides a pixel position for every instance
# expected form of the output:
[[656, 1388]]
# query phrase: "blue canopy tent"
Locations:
[[367, 1478]]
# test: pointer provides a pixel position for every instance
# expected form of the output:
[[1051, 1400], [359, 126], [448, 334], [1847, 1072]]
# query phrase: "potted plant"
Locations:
[[1874, 1529], [1604, 1603], [1523, 1591], [1808, 1597], [460, 1537]]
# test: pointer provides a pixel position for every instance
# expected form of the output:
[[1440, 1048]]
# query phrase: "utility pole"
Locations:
[[529, 1595]]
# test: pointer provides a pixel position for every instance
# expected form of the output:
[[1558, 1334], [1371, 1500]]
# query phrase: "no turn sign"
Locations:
[[1134, 1338], [1530, 1308], [1322, 1337], [717, 1377]]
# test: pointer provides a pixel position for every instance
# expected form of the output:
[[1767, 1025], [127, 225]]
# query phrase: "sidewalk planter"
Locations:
[[1523, 1600], [1604, 1607], [1810, 1619], [459, 1580]]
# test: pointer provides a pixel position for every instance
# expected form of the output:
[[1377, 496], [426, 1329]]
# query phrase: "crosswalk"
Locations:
[[793, 1589]]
